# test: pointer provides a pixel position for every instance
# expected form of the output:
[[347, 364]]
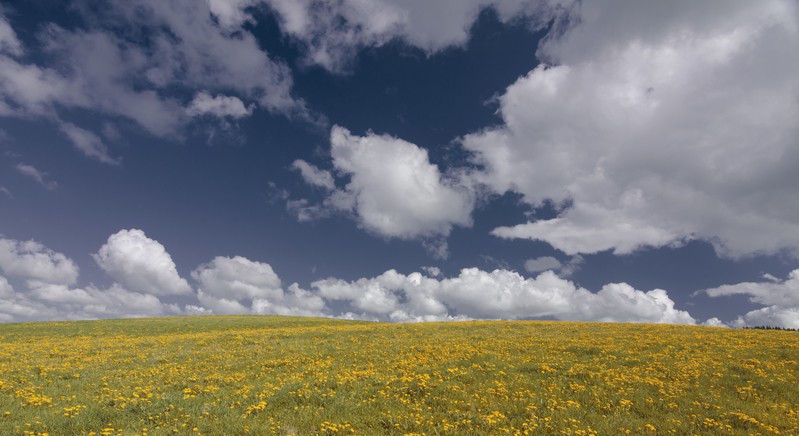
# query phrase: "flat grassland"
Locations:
[[282, 375]]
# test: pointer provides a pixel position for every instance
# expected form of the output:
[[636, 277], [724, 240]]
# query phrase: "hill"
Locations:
[[281, 375]]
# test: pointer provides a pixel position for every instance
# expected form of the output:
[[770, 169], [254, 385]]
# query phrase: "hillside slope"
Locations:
[[276, 375]]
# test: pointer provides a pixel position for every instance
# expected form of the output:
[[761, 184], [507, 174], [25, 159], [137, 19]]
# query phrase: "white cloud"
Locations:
[[714, 322], [39, 176], [221, 306], [190, 49], [237, 278], [545, 263], [295, 302], [305, 211], [33, 262], [48, 293], [313, 175], [220, 106], [88, 143], [140, 264], [19, 309], [781, 298], [394, 190], [332, 31], [5, 191], [589, 229], [542, 264], [497, 294], [774, 316], [9, 43], [654, 125], [208, 55], [6, 290], [238, 285], [781, 292], [27, 90], [91, 302], [431, 271], [231, 14]]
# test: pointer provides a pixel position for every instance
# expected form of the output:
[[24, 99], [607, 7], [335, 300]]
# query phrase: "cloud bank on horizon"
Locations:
[[145, 275], [644, 125]]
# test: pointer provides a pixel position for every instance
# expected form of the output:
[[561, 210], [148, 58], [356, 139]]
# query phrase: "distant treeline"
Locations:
[[768, 327]]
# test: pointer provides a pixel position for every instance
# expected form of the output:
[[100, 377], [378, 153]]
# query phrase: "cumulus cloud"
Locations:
[[39, 176], [655, 125], [237, 278], [33, 262], [238, 285], [781, 298], [331, 31], [49, 293], [394, 190], [497, 294], [714, 322], [220, 106], [140, 264]]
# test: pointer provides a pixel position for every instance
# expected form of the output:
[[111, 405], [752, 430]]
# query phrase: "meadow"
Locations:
[[283, 375]]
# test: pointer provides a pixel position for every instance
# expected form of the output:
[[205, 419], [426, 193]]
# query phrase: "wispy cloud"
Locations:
[[39, 176]]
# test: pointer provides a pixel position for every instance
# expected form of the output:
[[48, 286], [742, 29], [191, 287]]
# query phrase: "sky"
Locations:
[[401, 160]]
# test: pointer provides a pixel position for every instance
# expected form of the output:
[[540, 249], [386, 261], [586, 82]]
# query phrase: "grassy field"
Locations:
[[276, 375]]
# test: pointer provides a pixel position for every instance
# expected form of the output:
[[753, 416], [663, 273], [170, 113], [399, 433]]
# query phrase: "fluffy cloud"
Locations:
[[550, 263], [654, 125], [48, 292], [331, 31], [91, 302], [238, 285], [140, 264], [19, 309], [542, 264], [6, 290], [497, 294], [314, 176], [39, 176], [33, 262], [237, 278], [167, 46], [393, 190], [220, 106], [781, 298]]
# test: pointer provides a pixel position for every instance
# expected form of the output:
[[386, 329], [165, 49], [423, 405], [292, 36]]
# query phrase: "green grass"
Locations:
[[282, 375]]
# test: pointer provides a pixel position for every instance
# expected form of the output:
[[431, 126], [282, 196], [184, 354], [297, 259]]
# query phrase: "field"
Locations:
[[276, 375]]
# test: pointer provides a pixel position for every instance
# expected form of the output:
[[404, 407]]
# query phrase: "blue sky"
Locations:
[[400, 161]]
